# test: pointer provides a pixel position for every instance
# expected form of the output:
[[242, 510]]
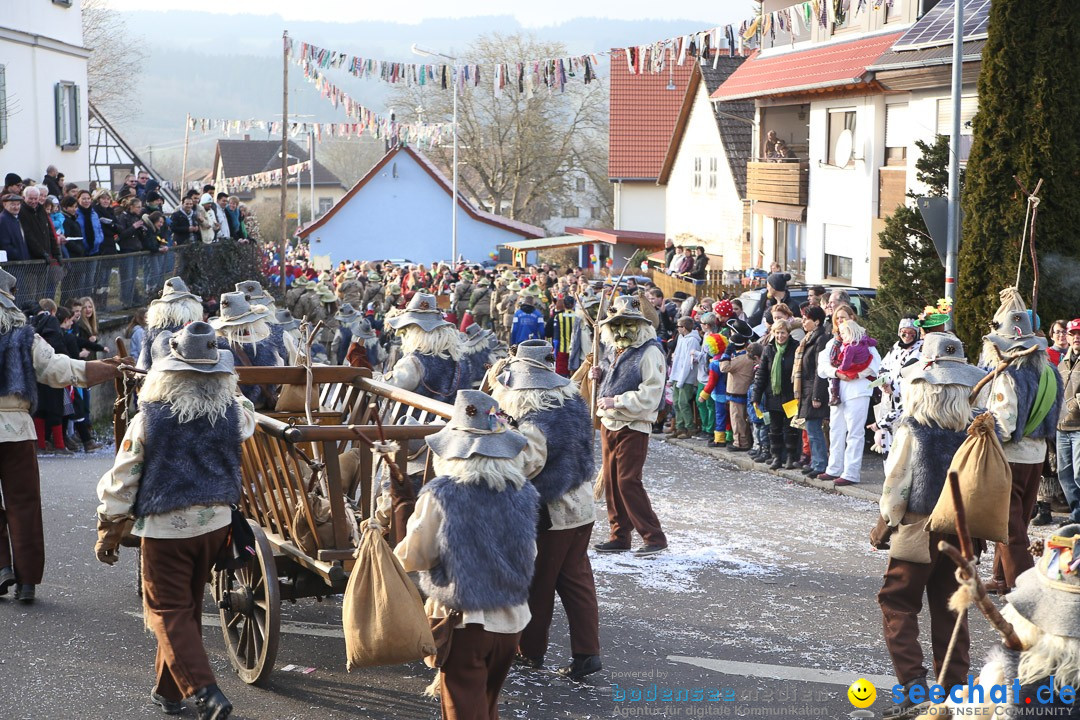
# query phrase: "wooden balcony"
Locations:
[[786, 183]]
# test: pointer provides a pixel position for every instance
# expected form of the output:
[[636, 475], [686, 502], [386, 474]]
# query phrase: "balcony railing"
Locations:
[[787, 183]]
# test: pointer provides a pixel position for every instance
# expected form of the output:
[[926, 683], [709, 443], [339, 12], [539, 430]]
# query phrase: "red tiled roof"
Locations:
[[816, 68], [643, 115]]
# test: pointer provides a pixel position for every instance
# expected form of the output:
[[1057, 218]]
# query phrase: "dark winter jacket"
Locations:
[[763, 383], [39, 233], [12, 238], [813, 387], [131, 239], [107, 218], [72, 230], [180, 224], [701, 262]]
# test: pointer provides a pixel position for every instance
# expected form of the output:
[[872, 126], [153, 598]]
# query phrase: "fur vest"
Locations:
[[344, 338], [486, 545], [933, 449], [622, 373], [443, 377], [17, 376], [185, 464], [265, 355], [569, 434], [1027, 386], [277, 342], [477, 359], [146, 358]]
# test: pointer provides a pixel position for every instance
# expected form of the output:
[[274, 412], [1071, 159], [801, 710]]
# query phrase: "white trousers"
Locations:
[[847, 433]]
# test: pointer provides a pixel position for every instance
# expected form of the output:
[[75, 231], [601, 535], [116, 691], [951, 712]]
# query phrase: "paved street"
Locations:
[[767, 596]]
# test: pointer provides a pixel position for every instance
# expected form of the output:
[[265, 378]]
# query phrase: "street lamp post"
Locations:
[[454, 199], [953, 241]]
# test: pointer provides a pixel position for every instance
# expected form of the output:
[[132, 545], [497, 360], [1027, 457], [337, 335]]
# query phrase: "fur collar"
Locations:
[[495, 473], [247, 333], [11, 319], [519, 403], [444, 342], [173, 314], [190, 394]]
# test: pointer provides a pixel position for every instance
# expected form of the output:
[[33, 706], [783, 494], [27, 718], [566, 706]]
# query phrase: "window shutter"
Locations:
[[58, 92], [76, 131], [968, 107]]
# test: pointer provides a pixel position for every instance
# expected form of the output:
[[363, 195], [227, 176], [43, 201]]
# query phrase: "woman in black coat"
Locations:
[[701, 262], [813, 390], [784, 439]]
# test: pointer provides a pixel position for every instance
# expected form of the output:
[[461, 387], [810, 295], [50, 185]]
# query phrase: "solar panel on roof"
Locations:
[[936, 27]]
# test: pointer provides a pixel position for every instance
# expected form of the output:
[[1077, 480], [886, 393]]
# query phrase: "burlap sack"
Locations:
[[985, 486], [291, 398], [382, 615], [581, 377], [305, 536]]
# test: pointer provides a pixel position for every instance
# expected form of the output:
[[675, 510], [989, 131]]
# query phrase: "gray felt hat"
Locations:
[[942, 362], [1012, 331], [472, 330], [532, 367], [625, 307], [1048, 595], [475, 428], [422, 310], [236, 309], [285, 319], [362, 329], [192, 349], [175, 289], [7, 290], [346, 313], [255, 292]]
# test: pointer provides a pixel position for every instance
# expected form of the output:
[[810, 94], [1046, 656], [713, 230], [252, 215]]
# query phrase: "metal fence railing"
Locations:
[[118, 282]]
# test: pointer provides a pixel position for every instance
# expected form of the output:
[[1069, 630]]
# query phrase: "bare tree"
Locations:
[[115, 61], [518, 151], [350, 159]]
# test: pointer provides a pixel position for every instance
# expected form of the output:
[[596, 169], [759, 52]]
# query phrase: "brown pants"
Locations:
[[20, 490], [900, 599], [624, 452], [562, 566], [1013, 558], [403, 502], [175, 573], [740, 425], [474, 672]]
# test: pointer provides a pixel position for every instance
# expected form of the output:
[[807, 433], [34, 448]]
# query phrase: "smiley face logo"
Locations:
[[861, 693]]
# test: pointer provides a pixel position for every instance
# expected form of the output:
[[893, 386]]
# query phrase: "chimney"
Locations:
[[246, 137]]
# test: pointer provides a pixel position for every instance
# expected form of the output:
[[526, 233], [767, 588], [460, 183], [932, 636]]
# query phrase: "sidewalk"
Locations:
[[873, 472]]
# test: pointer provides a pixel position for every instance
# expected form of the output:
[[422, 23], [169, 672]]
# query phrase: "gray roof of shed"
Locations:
[[250, 157]]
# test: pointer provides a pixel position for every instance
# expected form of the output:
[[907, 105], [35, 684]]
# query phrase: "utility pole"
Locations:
[[311, 173], [284, 153], [953, 242], [183, 166]]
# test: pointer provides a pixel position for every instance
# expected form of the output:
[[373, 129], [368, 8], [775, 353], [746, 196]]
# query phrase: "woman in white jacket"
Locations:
[[847, 421]]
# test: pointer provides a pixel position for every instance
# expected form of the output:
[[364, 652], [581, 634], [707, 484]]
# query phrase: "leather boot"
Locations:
[[212, 703]]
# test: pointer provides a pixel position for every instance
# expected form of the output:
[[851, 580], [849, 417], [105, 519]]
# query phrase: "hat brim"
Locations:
[[624, 316], [219, 322], [291, 325], [531, 378], [943, 372], [171, 363], [8, 301], [1053, 611], [427, 321], [173, 297], [454, 444], [1021, 343]]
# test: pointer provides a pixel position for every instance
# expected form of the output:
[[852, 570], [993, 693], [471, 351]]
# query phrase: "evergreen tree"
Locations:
[[911, 275], [1029, 100]]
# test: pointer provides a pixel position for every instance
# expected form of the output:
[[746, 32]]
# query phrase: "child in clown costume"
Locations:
[[716, 388]]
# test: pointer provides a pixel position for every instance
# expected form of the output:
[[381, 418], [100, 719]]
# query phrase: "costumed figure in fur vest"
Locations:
[[258, 296], [294, 293], [473, 541], [1025, 400], [176, 307], [1044, 611], [244, 330], [935, 421], [365, 350], [479, 347], [26, 360], [549, 411], [631, 388], [432, 363], [176, 474], [290, 336], [347, 321]]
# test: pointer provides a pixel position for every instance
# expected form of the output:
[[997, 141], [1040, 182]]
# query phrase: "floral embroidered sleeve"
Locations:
[[118, 486], [897, 487]]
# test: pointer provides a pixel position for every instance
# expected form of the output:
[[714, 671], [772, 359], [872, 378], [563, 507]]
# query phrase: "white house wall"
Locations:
[[843, 201], [714, 217], [41, 45], [639, 206], [403, 213]]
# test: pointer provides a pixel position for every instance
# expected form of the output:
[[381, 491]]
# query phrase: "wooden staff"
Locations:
[[121, 406], [964, 558], [1003, 362], [601, 311]]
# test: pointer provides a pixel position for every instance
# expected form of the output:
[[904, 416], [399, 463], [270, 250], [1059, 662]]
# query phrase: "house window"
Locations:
[[839, 121], [968, 107], [325, 203], [67, 115], [896, 134], [3, 106], [838, 267], [580, 184], [713, 165], [570, 211], [596, 213], [697, 174], [790, 247]]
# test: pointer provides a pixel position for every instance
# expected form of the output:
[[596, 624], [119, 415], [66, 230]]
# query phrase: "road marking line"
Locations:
[[781, 672], [288, 628]]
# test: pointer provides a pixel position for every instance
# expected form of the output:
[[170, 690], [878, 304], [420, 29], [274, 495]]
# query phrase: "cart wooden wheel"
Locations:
[[250, 603]]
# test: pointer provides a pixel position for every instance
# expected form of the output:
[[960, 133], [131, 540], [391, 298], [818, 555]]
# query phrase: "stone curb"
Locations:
[[743, 462]]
